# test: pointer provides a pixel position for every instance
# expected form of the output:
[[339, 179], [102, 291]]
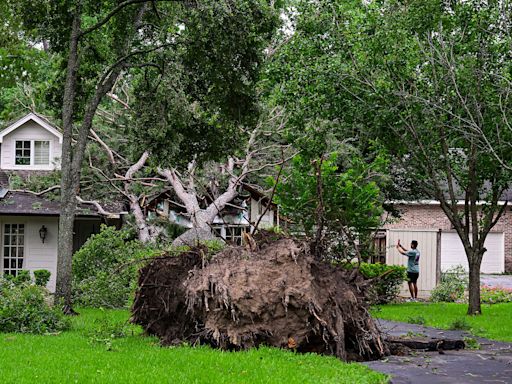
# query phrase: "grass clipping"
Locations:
[[276, 295]]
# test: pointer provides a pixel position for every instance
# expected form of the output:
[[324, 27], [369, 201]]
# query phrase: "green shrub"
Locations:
[[388, 279], [22, 277], [105, 331], [453, 284], [26, 308], [494, 295], [42, 277], [105, 268], [106, 289]]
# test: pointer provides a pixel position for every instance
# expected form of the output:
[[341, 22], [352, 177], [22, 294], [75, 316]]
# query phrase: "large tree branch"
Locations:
[[110, 153], [189, 199], [137, 166], [98, 207], [43, 192]]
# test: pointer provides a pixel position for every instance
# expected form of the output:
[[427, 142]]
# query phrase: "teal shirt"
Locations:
[[413, 264]]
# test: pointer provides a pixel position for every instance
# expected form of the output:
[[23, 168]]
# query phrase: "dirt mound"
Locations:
[[278, 296]]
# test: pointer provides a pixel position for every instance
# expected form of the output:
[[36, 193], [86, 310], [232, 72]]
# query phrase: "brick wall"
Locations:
[[433, 217]]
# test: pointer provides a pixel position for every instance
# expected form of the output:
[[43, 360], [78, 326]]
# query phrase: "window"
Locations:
[[217, 231], [22, 153], [14, 248], [232, 234], [41, 152], [32, 152], [235, 234]]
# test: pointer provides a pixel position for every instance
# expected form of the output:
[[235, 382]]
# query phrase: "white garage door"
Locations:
[[427, 245], [452, 253]]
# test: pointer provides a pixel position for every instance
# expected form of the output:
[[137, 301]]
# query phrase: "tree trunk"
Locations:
[[65, 252], [475, 260], [317, 244], [68, 192], [144, 230]]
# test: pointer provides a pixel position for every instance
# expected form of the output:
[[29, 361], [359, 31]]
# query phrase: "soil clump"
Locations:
[[276, 294]]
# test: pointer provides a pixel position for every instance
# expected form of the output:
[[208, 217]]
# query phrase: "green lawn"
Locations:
[[494, 323], [85, 355]]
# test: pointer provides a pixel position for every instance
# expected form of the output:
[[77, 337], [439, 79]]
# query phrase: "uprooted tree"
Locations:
[[203, 188], [276, 290], [277, 294]]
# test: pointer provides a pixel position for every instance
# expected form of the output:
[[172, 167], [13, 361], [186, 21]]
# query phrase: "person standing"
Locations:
[[413, 266]]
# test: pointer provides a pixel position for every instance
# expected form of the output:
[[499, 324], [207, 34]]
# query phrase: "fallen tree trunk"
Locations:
[[428, 344], [278, 295]]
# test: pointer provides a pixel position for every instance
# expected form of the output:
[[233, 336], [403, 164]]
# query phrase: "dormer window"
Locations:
[[32, 152]]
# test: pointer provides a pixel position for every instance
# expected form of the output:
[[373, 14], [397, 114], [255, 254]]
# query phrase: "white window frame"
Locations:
[[32, 164], [224, 231]]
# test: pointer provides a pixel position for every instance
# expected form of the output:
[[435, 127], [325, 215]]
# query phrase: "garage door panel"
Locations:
[[427, 245], [452, 253]]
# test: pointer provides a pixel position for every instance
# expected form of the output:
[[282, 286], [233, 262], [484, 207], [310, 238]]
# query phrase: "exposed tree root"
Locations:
[[278, 295]]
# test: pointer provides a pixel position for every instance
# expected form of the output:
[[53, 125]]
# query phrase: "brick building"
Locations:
[[428, 216]]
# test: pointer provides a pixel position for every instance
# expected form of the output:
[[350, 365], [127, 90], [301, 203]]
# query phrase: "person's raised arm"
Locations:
[[400, 248]]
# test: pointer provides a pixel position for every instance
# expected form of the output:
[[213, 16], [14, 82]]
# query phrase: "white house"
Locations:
[[28, 222], [30, 144]]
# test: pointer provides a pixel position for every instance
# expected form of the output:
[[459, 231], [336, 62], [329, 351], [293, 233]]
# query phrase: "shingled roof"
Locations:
[[28, 204]]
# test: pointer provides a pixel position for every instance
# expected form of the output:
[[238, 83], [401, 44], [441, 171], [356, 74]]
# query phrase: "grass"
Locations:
[[494, 323], [91, 353]]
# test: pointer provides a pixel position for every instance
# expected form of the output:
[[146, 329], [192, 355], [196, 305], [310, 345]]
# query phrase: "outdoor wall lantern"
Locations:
[[42, 233]]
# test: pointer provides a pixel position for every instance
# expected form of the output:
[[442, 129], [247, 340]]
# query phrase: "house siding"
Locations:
[[257, 208], [37, 255], [29, 131], [433, 217]]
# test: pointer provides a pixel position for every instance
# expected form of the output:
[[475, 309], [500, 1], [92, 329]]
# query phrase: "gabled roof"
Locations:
[[35, 118]]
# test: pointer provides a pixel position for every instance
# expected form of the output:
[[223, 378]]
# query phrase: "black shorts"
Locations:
[[412, 277]]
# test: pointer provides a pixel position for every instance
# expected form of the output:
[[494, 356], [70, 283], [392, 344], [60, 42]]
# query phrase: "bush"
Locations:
[[106, 289], [23, 277], [453, 284], [105, 268], [494, 295], [26, 308], [42, 277], [388, 279]]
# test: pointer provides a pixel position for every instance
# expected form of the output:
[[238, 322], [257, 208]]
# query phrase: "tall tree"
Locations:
[[429, 80], [100, 41], [439, 73]]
